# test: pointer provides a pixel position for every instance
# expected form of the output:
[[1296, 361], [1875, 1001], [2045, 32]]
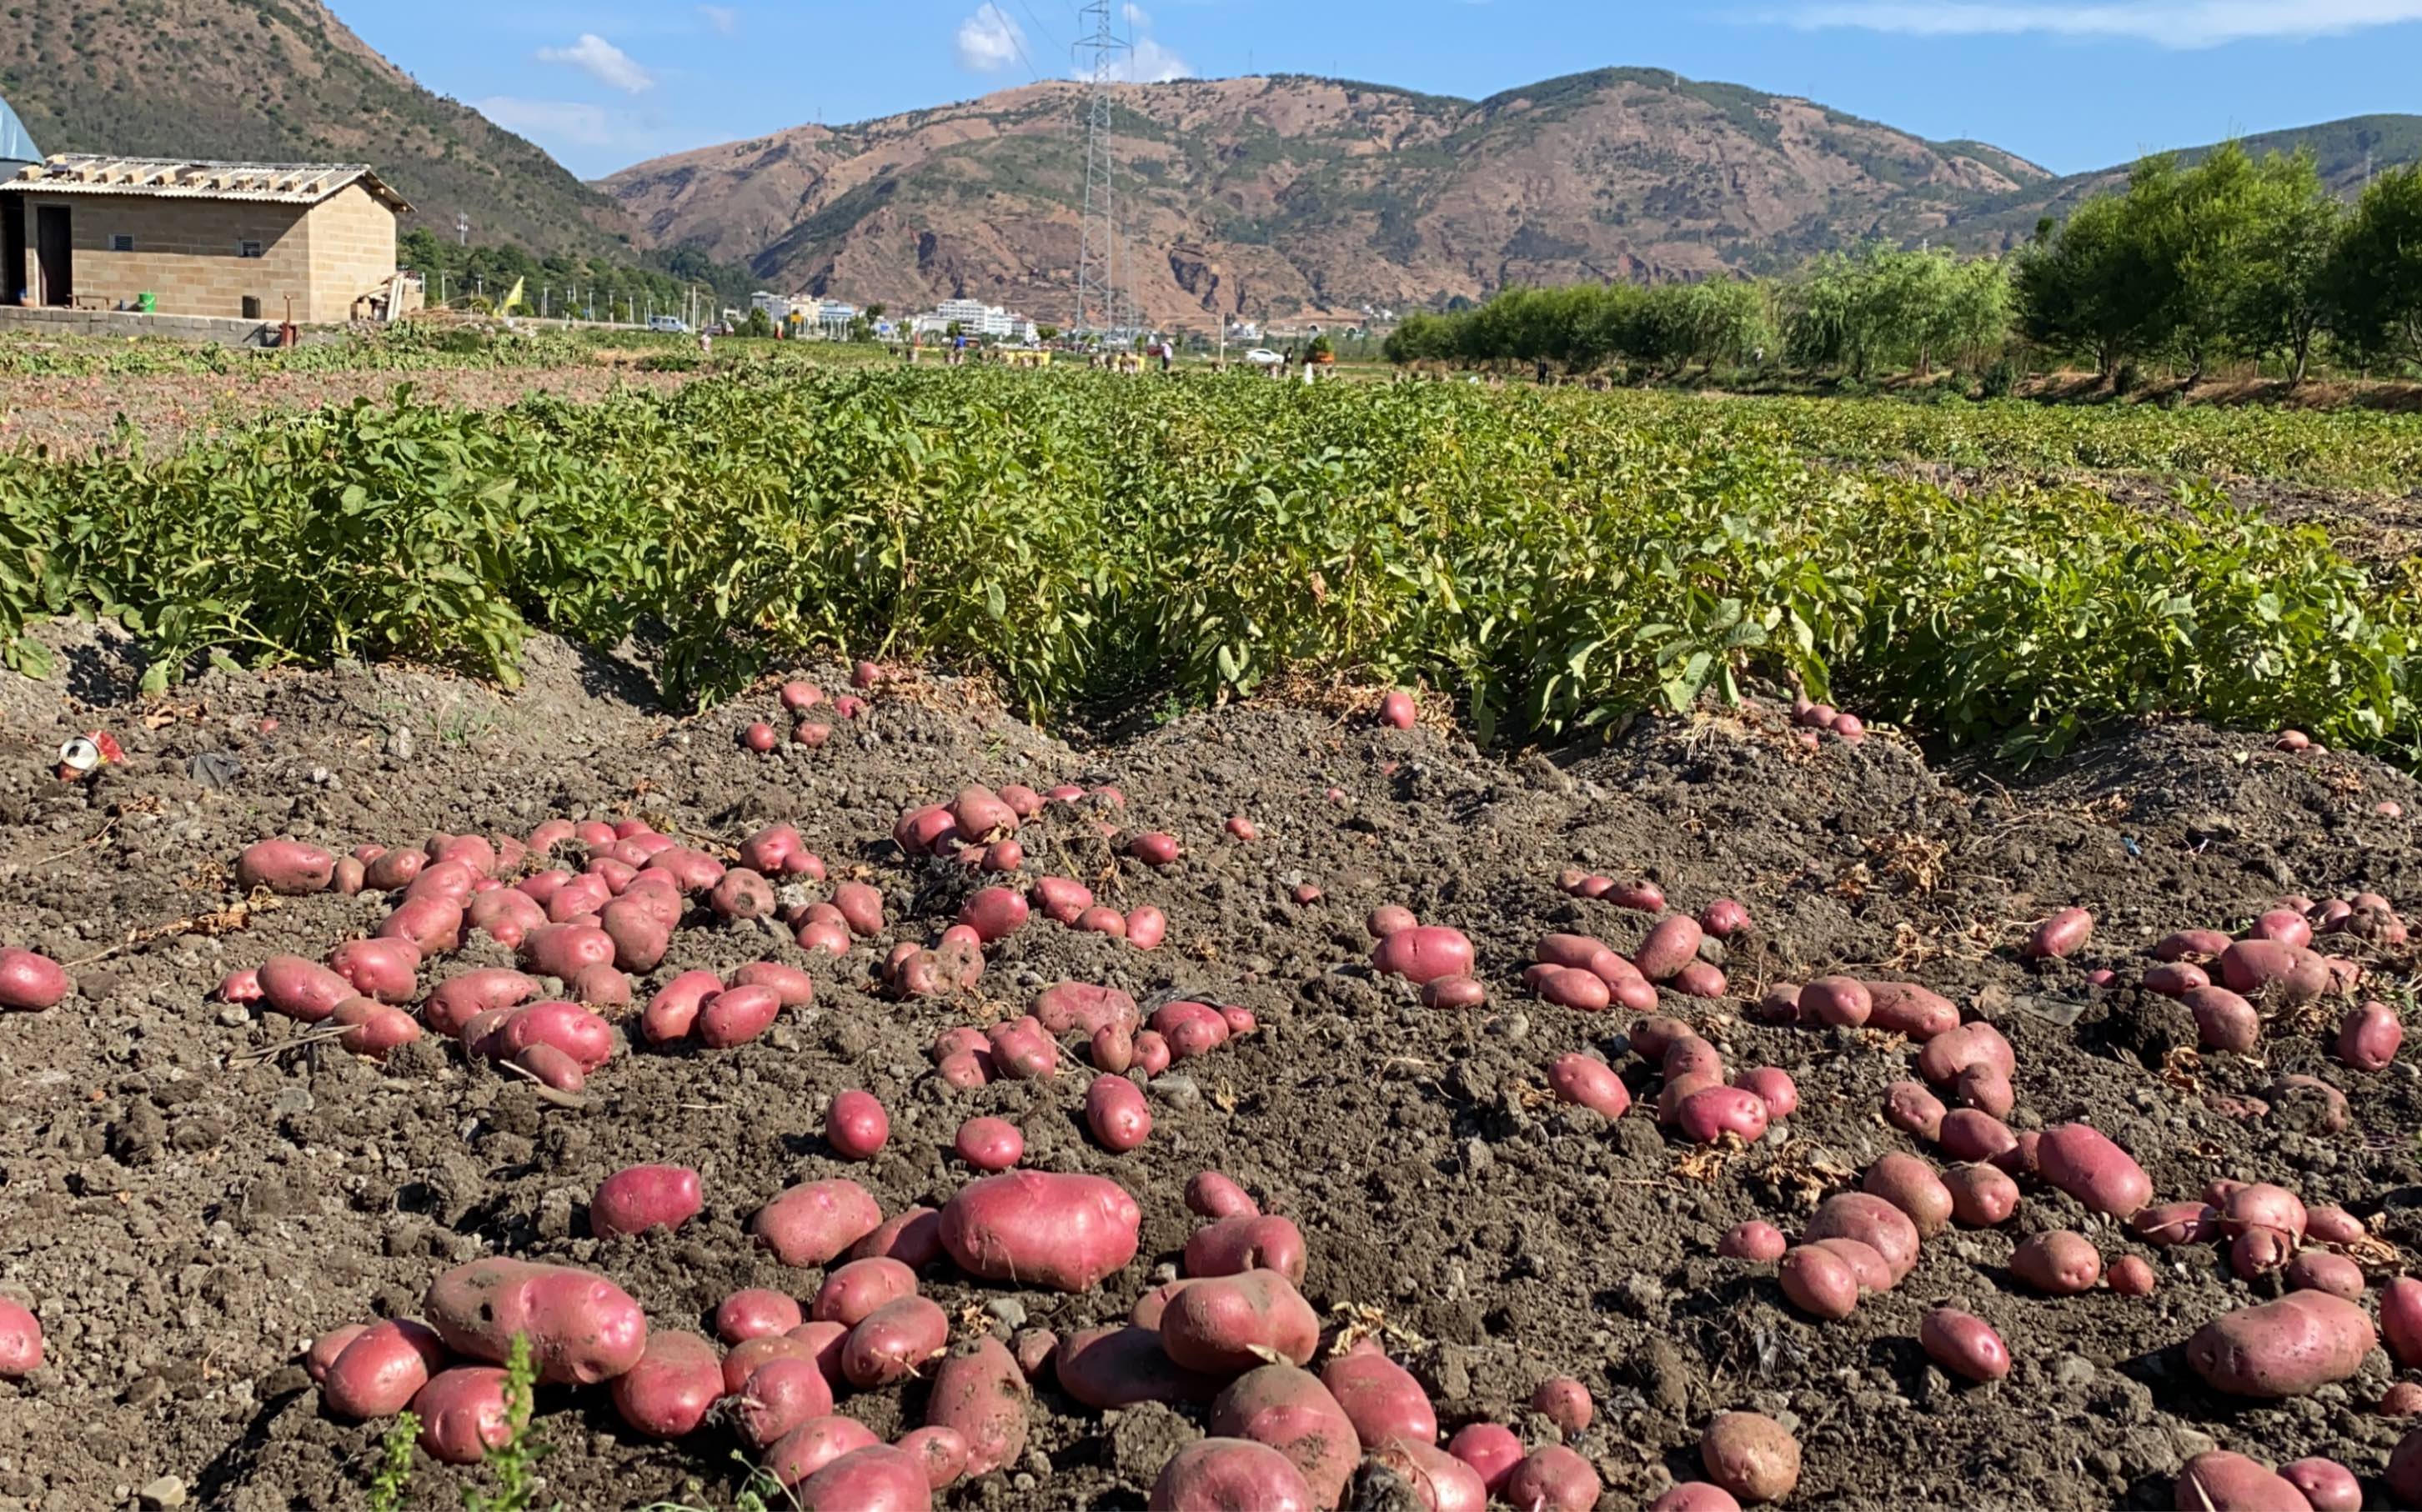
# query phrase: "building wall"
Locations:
[[352, 251], [187, 253]]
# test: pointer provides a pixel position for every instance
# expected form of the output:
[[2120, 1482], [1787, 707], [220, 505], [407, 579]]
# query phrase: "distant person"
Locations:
[[1543, 372]]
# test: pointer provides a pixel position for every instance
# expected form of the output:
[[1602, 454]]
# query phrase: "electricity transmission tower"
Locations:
[[1098, 253]]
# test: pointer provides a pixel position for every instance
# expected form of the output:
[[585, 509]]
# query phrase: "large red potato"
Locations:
[[809, 1223], [1289, 1410], [1423, 953], [582, 1328], [2082, 1162], [2287, 1347], [462, 1414], [1381, 1399], [1219, 1325], [980, 1393], [379, 1371], [288, 867], [679, 1379], [1230, 1475], [640, 1197], [1041, 1228]]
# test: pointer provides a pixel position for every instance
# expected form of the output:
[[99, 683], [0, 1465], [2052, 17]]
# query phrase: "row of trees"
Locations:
[[626, 289], [2228, 260], [2231, 257]]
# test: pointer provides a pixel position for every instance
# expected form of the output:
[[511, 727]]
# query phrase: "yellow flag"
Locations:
[[512, 298]]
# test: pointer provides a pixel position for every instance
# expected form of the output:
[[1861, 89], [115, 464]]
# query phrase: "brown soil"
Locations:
[[182, 1222]]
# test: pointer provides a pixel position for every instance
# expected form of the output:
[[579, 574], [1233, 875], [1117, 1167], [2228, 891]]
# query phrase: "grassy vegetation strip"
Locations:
[[1554, 560]]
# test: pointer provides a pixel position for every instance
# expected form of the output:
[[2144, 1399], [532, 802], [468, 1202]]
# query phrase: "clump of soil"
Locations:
[[184, 1205]]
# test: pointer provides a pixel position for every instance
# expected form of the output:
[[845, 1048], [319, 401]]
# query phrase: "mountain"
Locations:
[[2346, 152], [1272, 197], [283, 81]]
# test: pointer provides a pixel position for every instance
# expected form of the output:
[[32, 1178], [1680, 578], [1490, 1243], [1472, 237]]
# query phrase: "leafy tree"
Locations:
[[2374, 279], [758, 324], [2283, 304], [2080, 285]]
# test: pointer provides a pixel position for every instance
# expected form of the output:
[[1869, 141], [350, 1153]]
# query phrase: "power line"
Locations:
[[1098, 250]]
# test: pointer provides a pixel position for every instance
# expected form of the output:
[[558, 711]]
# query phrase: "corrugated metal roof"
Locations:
[[279, 183]]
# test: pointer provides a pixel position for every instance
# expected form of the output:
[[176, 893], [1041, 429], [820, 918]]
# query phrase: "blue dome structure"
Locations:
[[16, 148]]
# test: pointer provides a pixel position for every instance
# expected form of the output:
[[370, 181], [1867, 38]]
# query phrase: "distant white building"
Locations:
[[777, 307], [976, 319]]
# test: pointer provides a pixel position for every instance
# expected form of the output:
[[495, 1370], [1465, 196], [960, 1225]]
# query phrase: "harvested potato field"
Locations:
[[197, 1188]]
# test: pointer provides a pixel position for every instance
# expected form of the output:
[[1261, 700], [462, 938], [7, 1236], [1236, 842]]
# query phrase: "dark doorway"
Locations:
[[13, 249], [55, 256]]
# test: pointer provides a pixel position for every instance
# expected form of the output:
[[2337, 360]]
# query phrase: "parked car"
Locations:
[[671, 325]]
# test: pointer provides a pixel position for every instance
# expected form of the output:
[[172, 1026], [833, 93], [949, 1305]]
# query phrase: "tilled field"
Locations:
[[184, 1205]]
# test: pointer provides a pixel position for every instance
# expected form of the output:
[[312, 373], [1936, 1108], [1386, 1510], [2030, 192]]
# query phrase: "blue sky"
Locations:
[[2071, 83]]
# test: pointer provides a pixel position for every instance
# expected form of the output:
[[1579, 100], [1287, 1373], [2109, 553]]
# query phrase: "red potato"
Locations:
[[372, 1029], [583, 1329], [2062, 934], [1698, 980], [1723, 918], [1818, 1282], [914, 1239], [386, 971], [642, 1197], [678, 1381], [560, 950], [1672, 945], [1751, 1455], [2129, 1276], [894, 1340], [735, 1015], [2219, 1481], [2327, 1486], [569, 1027], [1774, 1087], [1554, 1479], [2401, 1319], [989, 1144], [813, 1444], [1059, 900], [2082, 1162], [1696, 1496], [433, 925], [591, 892], [1151, 1054], [2287, 1347], [2369, 1037], [1041, 1228], [2332, 1225], [461, 1413], [1116, 1112], [1941, 1059], [925, 830], [1215, 1325], [1423, 954], [1752, 1240], [878, 1478], [2224, 1020], [940, 1453], [2261, 1204], [754, 1313], [1381, 1399], [1078, 1007], [1984, 1089], [288, 867], [2321, 1271], [1230, 1475], [1911, 1109], [1231, 1246], [601, 986], [1453, 993], [740, 895], [2285, 925], [860, 907], [1963, 1345], [1866, 1267], [1111, 1050], [1389, 918], [1120, 1367], [1564, 1402], [2175, 1223], [1869, 1220], [1438, 1481], [1712, 1112], [965, 1069], [1209, 1194], [854, 1292], [551, 1067], [1397, 710], [980, 1393], [795, 987], [389, 871], [1154, 849], [1637, 897], [2192, 945], [981, 816], [1911, 1185], [1907, 1009], [994, 912], [1839, 1001], [1981, 1195], [20, 1341], [1289, 1410], [750, 1355], [1591, 1083], [2267, 968], [672, 1013], [2258, 1252], [1570, 987], [1192, 1028], [2177, 979], [857, 1126], [809, 1223], [505, 915], [299, 989], [448, 880], [1490, 1449], [316, 1360], [2059, 1263], [378, 1372], [1653, 1036]]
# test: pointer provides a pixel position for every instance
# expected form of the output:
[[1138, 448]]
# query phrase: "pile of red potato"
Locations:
[[1232, 1335]]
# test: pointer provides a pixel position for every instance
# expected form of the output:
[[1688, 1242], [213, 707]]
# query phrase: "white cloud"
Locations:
[[2179, 23], [1138, 17], [723, 19], [601, 61], [1150, 63], [561, 122], [989, 41]]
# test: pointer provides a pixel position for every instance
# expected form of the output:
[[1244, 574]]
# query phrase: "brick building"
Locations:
[[313, 243]]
